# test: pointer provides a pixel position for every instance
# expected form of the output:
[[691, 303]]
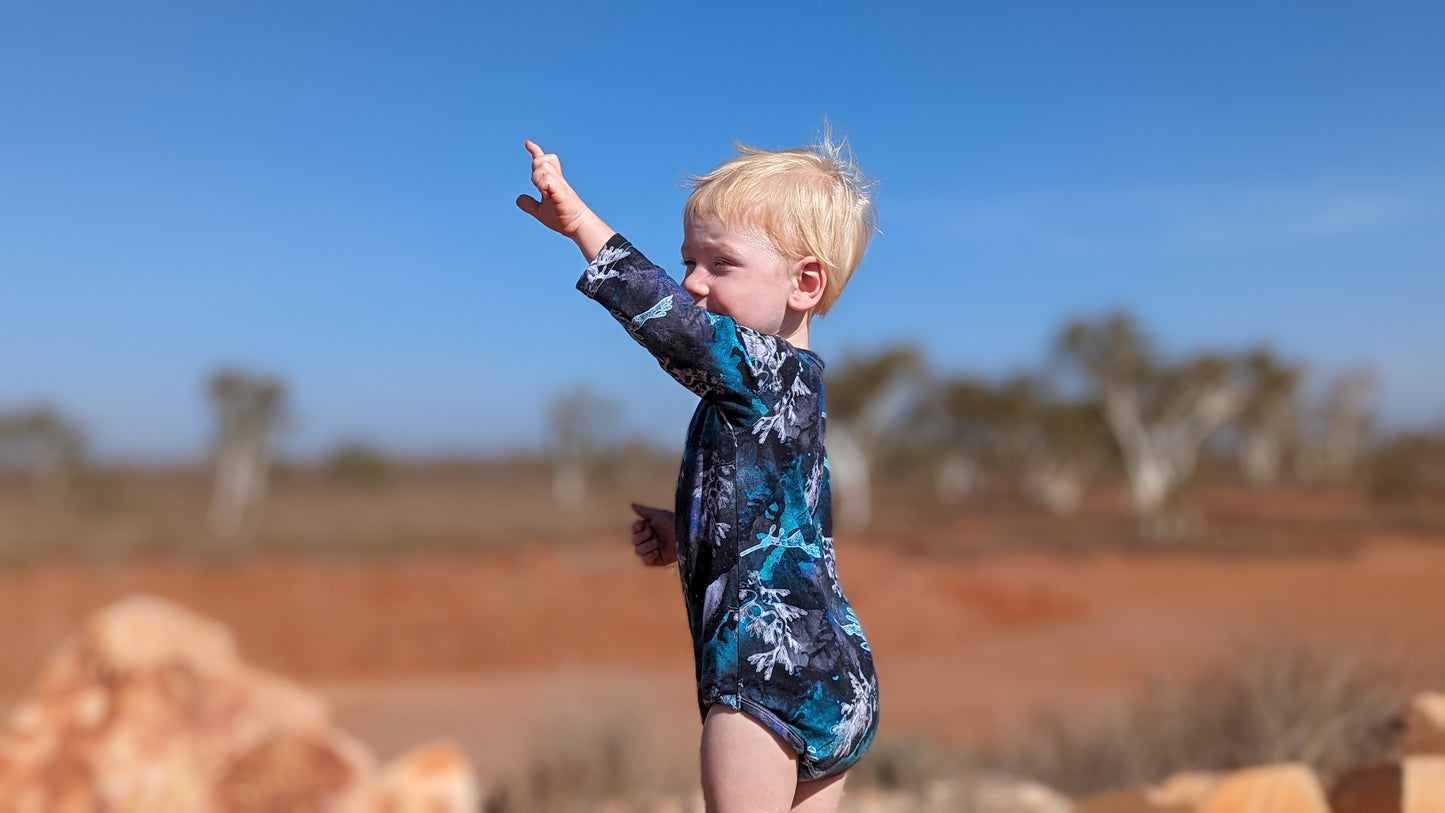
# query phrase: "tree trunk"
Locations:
[[851, 467], [957, 476]]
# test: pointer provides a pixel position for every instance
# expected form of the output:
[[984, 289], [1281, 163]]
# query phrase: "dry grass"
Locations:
[[904, 764], [602, 767], [477, 507], [1329, 709], [470, 508]]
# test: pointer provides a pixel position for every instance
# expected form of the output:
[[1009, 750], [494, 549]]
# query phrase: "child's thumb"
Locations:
[[647, 512], [529, 204]]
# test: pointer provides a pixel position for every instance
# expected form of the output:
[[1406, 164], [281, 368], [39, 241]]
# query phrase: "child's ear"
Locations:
[[810, 280]]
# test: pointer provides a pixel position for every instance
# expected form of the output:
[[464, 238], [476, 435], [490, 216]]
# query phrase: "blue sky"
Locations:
[[324, 191]]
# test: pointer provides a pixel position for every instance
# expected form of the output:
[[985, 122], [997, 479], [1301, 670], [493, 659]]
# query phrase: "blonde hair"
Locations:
[[812, 201]]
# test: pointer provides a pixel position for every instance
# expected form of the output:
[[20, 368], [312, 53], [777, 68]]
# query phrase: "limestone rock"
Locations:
[[434, 778], [1184, 792], [150, 708], [1018, 796], [1425, 724], [1423, 788], [1416, 785], [1187, 789], [1132, 800], [1368, 789], [1285, 788]]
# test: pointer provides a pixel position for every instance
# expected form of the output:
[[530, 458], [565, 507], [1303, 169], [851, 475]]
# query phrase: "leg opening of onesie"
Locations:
[[774, 724]]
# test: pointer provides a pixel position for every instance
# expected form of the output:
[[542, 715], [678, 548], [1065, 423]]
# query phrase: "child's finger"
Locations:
[[532, 147], [529, 204], [547, 165]]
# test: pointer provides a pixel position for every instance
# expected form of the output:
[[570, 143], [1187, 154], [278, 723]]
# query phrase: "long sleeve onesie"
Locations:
[[773, 634]]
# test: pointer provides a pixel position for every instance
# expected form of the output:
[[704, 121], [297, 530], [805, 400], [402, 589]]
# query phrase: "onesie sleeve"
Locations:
[[709, 354]]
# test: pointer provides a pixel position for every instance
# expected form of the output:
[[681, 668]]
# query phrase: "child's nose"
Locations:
[[693, 285]]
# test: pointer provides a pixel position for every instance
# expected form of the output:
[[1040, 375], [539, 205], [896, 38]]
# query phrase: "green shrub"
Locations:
[[358, 464]]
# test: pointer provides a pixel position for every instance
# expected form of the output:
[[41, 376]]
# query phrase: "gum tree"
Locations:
[[45, 445], [581, 423], [1020, 427], [1062, 443], [1343, 425], [1160, 414], [1269, 418], [249, 409], [867, 397]]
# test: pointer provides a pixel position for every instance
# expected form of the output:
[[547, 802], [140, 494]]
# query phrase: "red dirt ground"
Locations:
[[526, 653]]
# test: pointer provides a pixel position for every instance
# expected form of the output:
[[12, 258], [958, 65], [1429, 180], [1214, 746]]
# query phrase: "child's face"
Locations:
[[736, 272]]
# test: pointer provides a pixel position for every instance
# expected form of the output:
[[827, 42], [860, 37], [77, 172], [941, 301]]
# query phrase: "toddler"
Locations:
[[785, 679]]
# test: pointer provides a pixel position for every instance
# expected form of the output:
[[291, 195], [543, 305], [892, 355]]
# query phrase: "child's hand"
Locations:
[[560, 208], [654, 535]]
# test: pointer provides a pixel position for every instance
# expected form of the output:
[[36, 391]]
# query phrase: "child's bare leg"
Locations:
[[819, 795], [745, 766]]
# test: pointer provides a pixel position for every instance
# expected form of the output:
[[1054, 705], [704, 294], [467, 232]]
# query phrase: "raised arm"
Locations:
[[740, 369]]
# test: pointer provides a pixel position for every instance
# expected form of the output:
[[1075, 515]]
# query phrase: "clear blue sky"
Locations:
[[324, 191]]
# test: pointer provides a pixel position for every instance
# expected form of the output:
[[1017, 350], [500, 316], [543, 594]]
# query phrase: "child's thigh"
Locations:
[[745, 766], [819, 795]]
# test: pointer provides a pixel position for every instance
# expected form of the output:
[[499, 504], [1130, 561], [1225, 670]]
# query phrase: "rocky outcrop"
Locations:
[[1184, 792], [436, 777], [1414, 785], [1286, 788], [1423, 785], [1425, 724], [149, 707], [1128, 800], [1368, 789]]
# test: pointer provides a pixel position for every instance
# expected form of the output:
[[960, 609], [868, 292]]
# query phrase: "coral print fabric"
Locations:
[[772, 632]]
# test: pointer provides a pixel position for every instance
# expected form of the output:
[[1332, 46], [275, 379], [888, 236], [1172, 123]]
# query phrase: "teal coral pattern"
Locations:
[[773, 634]]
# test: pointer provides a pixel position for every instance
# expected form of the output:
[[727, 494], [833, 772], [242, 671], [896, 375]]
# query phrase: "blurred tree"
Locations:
[[1408, 465], [1337, 430], [1065, 444], [45, 445], [961, 421], [1269, 418], [1020, 428], [1160, 415], [868, 399], [581, 423], [358, 464], [249, 409]]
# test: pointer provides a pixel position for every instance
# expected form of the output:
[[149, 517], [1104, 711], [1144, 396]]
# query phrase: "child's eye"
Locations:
[[688, 264]]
